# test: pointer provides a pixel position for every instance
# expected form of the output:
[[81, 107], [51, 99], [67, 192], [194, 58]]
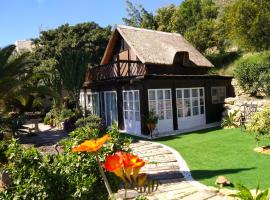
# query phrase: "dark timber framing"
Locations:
[[122, 70]]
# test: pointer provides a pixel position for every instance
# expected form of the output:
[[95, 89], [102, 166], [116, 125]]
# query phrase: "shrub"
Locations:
[[230, 121], [64, 176], [260, 124], [92, 122], [253, 73], [66, 114]]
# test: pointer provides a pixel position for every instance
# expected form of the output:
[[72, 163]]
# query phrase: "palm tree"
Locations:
[[18, 83]]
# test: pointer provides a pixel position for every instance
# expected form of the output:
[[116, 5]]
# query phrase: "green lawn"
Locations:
[[228, 152]]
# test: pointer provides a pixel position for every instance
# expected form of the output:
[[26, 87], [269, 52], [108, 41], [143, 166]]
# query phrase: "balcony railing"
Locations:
[[116, 69]]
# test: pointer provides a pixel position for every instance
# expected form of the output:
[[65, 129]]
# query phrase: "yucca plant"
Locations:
[[230, 120]]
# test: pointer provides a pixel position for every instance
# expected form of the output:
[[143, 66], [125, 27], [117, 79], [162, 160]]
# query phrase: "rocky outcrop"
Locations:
[[234, 104]]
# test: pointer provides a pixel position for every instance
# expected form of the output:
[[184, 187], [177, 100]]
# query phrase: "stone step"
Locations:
[[153, 153], [148, 148], [164, 175], [200, 195], [161, 168]]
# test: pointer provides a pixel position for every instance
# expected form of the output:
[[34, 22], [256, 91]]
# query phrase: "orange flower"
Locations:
[[91, 145], [114, 163]]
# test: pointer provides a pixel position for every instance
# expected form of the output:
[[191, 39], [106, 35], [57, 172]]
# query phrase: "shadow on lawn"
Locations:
[[205, 174]]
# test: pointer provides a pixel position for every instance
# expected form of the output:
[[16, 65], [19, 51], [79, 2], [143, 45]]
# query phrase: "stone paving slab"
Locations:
[[166, 169]]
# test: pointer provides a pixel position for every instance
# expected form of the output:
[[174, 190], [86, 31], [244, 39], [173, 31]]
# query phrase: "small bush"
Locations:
[[253, 73], [92, 122], [260, 125], [230, 121]]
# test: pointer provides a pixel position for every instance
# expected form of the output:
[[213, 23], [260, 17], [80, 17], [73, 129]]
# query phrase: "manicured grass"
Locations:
[[227, 152]]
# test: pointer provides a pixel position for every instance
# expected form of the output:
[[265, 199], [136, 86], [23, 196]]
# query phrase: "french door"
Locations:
[[110, 107], [160, 102], [190, 107], [131, 108]]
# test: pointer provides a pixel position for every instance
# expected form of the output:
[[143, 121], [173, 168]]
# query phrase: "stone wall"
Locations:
[[234, 104]]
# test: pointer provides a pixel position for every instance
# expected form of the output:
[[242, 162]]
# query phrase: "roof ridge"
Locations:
[[150, 30]]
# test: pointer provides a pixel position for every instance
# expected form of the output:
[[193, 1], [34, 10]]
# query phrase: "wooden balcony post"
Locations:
[[118, 66]]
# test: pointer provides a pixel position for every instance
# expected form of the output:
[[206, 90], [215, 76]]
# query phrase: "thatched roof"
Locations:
[[155, 47]]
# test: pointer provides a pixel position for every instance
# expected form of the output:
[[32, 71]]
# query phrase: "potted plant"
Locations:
[[151, 122]]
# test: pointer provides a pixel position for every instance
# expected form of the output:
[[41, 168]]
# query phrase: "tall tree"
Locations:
[[72, 67], [248, 23], [89, 38], [139, 17]]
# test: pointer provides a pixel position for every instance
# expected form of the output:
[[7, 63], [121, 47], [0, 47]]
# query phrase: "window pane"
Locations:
[[130, 94], [152, 106], [214, 92], [187, 111], [186, 93], [168, 114], [137, 116], [131, 115], [125, 96], [180, 113], [130, 105], [201, 101], [126, 114], [202, 110], [160, 105], [151, 95], [168, 104], [195, 110], [160, 114], [125, 105], [179, 103], [136, 95], [186, 102], [160, 94], [137, 108], [179, 94], [194, 92], [167, 94], [201, 92], [195, 102]]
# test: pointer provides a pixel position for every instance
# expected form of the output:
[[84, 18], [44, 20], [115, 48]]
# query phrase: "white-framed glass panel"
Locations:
[[190, 105], [218, 94], [160, 102], [131, 109], [92, 103], [110, 99]]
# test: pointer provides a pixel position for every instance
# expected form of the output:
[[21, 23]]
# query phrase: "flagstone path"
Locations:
[[165, 167]]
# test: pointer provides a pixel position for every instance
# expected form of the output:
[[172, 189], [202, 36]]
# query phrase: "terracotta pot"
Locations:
[[151, 126]]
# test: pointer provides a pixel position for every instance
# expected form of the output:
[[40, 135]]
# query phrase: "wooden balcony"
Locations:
[[115, 69]]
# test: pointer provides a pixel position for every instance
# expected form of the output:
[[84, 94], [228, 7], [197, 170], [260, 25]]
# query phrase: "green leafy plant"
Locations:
[[260, 124], [245, 194], [253, 73], [152, 118], [230, 121]]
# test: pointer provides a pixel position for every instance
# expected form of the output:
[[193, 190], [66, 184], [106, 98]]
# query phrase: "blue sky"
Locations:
[[22, 19]]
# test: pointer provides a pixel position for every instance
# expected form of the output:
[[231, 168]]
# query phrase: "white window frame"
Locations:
[[138, 101], [88, 107], [216, 99], [191, 102], [164, 103], [105, 106]]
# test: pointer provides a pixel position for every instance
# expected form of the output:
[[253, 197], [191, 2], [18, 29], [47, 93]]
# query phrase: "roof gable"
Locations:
[[154, 47]]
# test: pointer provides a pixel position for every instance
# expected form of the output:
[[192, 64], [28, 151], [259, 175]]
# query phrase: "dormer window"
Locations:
[[181, 58]]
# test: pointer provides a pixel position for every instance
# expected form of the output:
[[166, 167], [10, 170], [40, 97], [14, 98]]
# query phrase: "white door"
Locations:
[[190, 107], [110, 107], [131, 108], [160, 102]]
